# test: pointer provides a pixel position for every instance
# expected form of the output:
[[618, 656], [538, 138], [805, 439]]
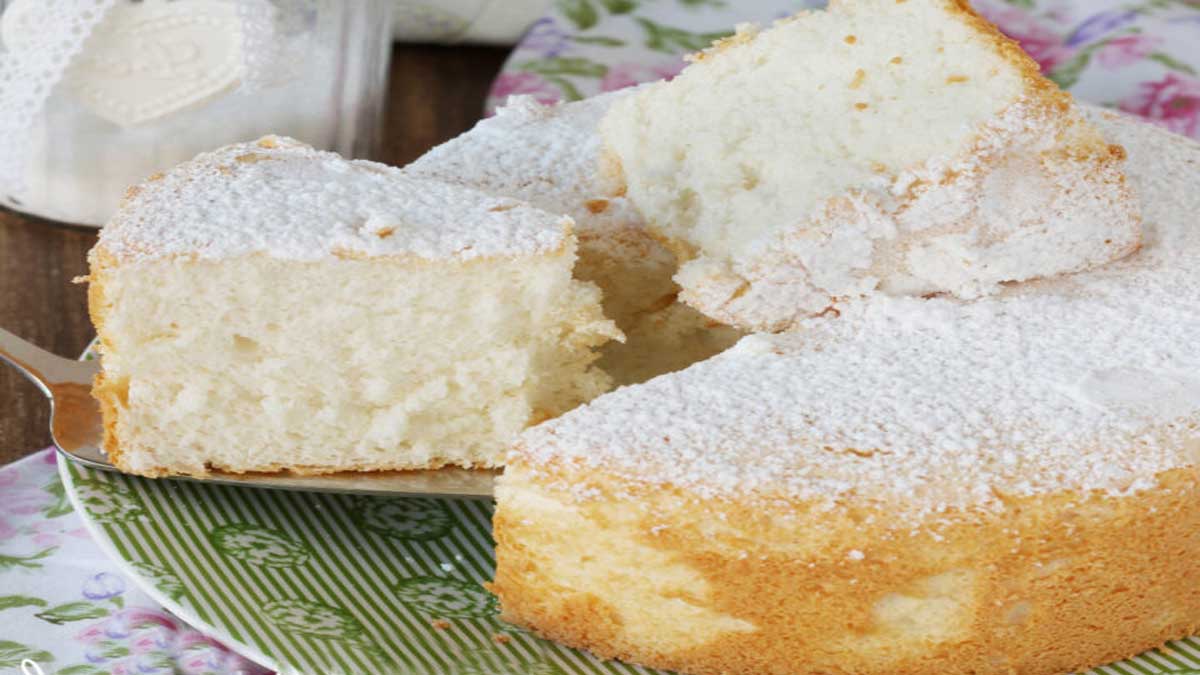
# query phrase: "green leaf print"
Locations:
[[82, 669], [313, 618], [72, 611], [1023, 4], [61, 505], [26, 561], [1172, 63], [692, 4], [674, 40], [556, 70], [580, 12], [414, 518], [112, 649], [259, 545], [109, 503], [619, 6], [565, 66], [11, 601], [598, 40], [1067, 74], [13, 653], [162, 579], [447, 598]]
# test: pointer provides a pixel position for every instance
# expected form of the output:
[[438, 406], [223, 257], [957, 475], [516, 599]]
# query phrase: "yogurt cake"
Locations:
[[550, 157], [268, 307], [922, 487], [904, 147]]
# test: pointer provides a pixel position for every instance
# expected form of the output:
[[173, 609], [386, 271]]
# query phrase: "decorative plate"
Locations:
[[318, 583]]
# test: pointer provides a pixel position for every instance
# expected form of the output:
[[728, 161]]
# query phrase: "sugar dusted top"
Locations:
[[548, 155], [284, 199], [1090, 382]]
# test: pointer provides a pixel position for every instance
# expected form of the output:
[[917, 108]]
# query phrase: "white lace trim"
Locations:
[[45, 35], [56, 31]]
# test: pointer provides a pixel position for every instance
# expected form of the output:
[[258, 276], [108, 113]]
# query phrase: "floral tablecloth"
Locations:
[[66, 608], [1141, 56]]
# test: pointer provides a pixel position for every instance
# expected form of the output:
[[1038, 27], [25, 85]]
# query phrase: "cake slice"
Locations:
[[549, 155], [880, 145], [267, 306]]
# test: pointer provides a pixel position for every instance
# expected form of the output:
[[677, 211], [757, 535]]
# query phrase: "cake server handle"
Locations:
[[42, 367], [75, 423]]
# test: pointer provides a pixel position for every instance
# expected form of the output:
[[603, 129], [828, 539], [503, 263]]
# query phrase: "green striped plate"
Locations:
[[325, 584], [332, 584], [320, 583]]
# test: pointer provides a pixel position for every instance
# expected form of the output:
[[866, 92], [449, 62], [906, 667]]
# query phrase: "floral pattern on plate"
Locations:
[[1141, 57], [67, 608]]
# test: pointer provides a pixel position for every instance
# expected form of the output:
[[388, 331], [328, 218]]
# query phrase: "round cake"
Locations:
[[923, 486]]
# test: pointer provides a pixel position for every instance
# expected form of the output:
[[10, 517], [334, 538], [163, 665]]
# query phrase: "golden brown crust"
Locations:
[[110, 395], [1053, 583]]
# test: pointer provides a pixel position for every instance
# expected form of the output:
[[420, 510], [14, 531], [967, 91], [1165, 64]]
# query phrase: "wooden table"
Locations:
[[435, 93]]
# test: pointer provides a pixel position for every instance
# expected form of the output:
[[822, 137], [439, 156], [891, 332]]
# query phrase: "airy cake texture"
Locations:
[[549, 156], [267, 306], [905, 147], [924, 487]]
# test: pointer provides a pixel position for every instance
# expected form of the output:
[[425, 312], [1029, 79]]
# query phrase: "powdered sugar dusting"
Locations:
[[1089, 382], [959, 224], [284, 199], [546, 155]]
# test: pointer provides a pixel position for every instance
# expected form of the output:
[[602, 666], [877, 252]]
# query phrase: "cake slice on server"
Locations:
[[267, 306], [904, 147], [549, 155]]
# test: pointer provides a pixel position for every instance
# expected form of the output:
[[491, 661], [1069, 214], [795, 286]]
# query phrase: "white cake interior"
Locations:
[[806, 110], [257, 364], [879, 146]]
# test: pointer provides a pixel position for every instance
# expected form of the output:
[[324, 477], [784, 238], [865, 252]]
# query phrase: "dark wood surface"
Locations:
[[434, 94]]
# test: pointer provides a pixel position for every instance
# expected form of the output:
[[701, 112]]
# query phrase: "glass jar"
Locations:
[[142, 85]]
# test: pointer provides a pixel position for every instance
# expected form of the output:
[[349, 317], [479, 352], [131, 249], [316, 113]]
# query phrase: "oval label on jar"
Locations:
[[148, 59]]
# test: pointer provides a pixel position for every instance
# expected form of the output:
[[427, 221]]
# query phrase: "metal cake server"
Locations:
[[76, 428]]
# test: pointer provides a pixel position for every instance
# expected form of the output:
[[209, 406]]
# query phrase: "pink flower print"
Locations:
[[24, 500], [628, 74], [510, 84], [91, 633], [1122, 51], [1172, 102], [144, 617], [1044, 45], [150, 641], [51, 532], [144, 641], [7, 530]]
